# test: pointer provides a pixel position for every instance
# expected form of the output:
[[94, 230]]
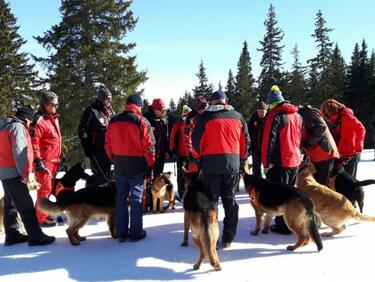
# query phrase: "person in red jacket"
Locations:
[[221, 140], [348, 132], [318, 143], [130, 145], [47, 147], [16, 165], [179, 146], [281, 146]]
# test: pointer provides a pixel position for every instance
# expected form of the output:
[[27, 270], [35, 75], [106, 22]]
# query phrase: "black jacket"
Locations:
[[255, 127]]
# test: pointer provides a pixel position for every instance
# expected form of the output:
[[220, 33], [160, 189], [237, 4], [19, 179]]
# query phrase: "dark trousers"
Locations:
[[17, 198], [286, 176], [224, 186], [159, 165], [101, 167], [181, 161], [351, 166], [257, 166], [323, 171]]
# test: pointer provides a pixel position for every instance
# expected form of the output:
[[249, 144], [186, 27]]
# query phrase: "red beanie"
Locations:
[[158, 104]]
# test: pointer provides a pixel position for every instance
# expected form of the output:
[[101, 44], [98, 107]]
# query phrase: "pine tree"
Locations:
[[244, 99], [230, 88], [86, 47], [173, 112], [271, 61], [17, 77], [203, 88], [146, 105], [296, 89]]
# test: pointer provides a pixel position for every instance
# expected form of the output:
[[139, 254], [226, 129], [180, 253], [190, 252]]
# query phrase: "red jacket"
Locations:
[[46, 138], [349, 133], [179, 139], [129, 142], [16, 154], [282, 137]]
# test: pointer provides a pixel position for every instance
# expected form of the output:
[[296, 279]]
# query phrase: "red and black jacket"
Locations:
[[221, 140], [282, 137], [129, 142], [179, 139]]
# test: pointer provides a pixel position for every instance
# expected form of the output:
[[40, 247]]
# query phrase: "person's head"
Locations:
[[25, 113], [158, 107], [200, 104], [104, 95], [49, 102], [135, 99], [330, 107], [218, 97], [262, 109], [274, 97]]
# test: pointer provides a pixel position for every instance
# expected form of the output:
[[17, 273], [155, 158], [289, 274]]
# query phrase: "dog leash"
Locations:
[[108, 180]]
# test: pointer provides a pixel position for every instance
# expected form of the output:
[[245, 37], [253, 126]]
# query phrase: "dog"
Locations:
[[162, 188], [200, 216], [275, 198], [81, 205], [343, 183], [332, 208]]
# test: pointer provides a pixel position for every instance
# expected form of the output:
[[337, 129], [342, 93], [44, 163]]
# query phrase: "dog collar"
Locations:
[[60, 188]]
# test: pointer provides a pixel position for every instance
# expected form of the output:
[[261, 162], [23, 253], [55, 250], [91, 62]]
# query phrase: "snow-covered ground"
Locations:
[[346, 257]]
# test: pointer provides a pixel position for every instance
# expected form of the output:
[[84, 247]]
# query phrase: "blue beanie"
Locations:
[[135, 99], [275, 95], [218, 95]]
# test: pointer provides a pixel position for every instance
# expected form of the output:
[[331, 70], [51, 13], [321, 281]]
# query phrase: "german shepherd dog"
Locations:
[[351, 188], [200, 216], [274, 198], [162, 188], [332, 208], [81, 205]]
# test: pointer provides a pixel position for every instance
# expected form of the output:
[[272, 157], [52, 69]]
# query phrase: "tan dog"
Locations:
[[201, 217], [333, 209], [161, 189]]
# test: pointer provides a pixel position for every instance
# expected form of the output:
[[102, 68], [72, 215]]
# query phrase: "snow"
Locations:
[[159, 257]]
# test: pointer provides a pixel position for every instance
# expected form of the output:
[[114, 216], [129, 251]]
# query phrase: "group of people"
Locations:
[[211, 137]]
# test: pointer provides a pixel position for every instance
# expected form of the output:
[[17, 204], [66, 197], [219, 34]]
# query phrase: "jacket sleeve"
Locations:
[[318, 126], [353, 133], [172, 141], [22, 149], [107, 142], [197, 135], [85, 133], [273, 137], [148, 142], [37, 132], [244, 141]]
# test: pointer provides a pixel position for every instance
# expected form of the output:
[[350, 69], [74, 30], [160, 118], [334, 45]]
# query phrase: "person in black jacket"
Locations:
[[156, 115], [91, 131], [255, 127]]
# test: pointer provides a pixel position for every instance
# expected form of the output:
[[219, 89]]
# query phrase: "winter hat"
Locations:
[[103, 92], [158, 104], [185, 110], [218, 95], [274, 96], [25, 112], [135, 99], [200, 103], [262, 106]]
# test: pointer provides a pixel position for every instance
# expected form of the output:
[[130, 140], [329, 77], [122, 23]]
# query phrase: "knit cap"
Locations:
[[274, 96], [103, 92], [135, 99], [185, 110], [158, 104], [218, 95], [25, 112]]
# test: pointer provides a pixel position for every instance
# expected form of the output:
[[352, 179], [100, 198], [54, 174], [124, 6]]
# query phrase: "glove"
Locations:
[[306, 144], [39, 166], [148, 174]]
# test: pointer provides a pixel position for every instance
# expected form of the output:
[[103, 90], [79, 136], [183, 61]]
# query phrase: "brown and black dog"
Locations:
[[351, 188], [274, 198], [332, 208], [162, 188], [201, 217], [81, 205]]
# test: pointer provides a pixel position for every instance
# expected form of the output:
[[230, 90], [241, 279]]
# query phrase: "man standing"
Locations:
[[255, 126], [221, 140], [281, 145], [159, 123], [129, 143], [46, 140], [91, 132], [16, 163]]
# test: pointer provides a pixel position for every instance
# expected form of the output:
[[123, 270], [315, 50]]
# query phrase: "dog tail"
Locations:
[[364, 182], [49, 207], [313, 229], [209, 240], [361, 217]]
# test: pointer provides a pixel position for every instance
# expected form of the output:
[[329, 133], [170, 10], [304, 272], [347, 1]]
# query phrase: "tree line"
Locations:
[[89, 46]]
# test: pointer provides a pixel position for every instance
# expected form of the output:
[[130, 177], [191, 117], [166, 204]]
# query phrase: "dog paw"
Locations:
[[290, 248], [184, 244], [255, 232], [196, 266], [265, 231]]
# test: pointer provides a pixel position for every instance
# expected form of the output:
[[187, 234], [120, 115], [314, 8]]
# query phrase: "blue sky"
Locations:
[[173, 36]]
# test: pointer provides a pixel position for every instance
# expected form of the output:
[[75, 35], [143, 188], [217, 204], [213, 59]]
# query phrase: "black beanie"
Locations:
[[25, 112], [135, 99], [103, 92]]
